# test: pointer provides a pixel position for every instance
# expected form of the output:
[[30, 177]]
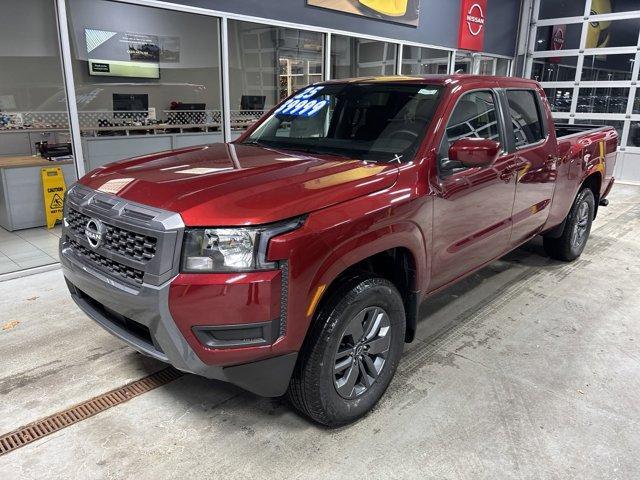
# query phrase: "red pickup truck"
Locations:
[[294, 259]]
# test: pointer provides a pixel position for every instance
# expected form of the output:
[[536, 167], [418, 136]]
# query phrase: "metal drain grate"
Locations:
[[46, 426]]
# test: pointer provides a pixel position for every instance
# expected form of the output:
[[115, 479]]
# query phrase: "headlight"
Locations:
[[231, 249]]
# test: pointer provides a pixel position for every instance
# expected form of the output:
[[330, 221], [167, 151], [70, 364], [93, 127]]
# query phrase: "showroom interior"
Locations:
[[201, 72]]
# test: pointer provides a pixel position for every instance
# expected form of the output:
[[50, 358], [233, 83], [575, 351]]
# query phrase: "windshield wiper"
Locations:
[[253, 142]]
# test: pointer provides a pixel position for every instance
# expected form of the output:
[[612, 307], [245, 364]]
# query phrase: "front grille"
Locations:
[[135, 246], [110, 266]]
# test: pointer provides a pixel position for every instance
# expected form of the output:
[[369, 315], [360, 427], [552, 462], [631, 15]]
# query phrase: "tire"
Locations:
[[334, 343], [571, 243]]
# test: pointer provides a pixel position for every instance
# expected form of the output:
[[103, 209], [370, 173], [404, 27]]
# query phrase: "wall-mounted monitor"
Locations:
[[127, 102], [122, 54]]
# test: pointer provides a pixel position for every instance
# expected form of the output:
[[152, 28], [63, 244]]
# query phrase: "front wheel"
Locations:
[[571, 243], [352, 352]]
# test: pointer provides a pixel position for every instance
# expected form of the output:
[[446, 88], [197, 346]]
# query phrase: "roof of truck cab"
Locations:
[[436, 79]]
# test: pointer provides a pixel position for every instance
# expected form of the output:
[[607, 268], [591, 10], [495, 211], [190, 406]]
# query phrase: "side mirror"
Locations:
[[474, 152]]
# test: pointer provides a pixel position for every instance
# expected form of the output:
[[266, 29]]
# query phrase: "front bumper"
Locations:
[[142, 317]]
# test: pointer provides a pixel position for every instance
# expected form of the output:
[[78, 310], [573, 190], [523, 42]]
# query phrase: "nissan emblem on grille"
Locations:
[[94, 231]]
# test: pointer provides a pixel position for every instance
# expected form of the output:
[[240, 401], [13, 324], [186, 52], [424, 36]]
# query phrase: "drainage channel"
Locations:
[[53, 423]]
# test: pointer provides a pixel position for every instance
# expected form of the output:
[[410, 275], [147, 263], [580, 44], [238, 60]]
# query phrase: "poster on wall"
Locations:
[[399, 11], [599, 33]]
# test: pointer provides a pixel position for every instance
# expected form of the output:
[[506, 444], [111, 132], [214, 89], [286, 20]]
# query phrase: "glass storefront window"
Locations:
[[502, 67], [561, 8], [143, 71], [424, 61], [603, 100], [608, 67], [485, 67], [34, 128], [357, 57], [634, 135], [618, 33], [558, 37], [267, 64], [464, 62], [606, 54], [558, 69], [559, 98]]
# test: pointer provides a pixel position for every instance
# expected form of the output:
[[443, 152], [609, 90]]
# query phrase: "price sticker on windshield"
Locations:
[[303, 104]]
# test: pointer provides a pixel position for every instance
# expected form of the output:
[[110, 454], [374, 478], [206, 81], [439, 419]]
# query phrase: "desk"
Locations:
[[21, 200]]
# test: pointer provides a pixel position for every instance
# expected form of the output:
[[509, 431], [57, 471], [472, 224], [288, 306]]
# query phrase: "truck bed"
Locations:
[[565, 130]]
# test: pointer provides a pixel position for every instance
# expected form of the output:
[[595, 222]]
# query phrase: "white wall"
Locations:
[[30, 70]]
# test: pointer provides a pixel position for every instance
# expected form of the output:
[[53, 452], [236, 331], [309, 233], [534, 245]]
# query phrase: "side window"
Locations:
[[525, 116], [474, 116]]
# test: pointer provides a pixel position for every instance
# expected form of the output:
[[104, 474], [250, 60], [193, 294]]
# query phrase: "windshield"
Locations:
[[362, 121]]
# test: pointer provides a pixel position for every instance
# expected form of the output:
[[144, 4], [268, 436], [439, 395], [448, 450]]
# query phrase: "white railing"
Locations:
[[95, 121], [243, 119], [34, 120]]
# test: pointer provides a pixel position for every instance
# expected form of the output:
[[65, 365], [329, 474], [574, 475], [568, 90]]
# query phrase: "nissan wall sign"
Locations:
[[472, 25]]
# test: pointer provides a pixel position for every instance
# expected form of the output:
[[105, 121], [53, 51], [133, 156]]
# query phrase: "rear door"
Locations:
[[535, 156], [472, 206]]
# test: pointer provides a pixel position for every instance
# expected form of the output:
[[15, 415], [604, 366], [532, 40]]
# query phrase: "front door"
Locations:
[[473, 206]]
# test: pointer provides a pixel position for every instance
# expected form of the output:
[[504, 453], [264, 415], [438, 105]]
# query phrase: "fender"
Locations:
[[405, 235]]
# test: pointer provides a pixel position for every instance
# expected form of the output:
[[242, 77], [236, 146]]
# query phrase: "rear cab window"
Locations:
[[526, 117]]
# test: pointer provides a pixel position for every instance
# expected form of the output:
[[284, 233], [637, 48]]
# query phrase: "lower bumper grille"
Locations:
[[103, 263], [141, 332]]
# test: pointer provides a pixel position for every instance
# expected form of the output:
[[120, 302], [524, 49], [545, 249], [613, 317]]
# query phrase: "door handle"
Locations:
[[508, 172]]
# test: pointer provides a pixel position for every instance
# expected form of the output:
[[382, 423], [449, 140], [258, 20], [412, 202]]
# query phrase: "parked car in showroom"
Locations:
[[294, 259]]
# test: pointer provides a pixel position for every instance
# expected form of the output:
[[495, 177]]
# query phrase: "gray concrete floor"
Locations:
[[528, 369]]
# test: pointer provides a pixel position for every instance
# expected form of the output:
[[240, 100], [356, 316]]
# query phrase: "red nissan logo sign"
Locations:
[[475, 20], [558, 36], [473, 17]]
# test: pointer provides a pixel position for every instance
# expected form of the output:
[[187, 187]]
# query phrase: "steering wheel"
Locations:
[[407, 133]]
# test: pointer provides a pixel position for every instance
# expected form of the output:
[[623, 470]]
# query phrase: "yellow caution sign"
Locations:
[[53, 188]]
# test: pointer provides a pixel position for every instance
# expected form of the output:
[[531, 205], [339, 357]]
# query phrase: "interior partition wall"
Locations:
[[586, 54]]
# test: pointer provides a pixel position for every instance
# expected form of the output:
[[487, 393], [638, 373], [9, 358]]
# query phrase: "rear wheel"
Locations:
[[573, 240], [352, 354]]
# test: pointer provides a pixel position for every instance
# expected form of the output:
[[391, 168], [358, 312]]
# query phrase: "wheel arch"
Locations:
[[399, 256], [593, 181]]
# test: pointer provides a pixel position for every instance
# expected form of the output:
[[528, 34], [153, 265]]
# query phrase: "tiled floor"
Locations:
[[29, 248]]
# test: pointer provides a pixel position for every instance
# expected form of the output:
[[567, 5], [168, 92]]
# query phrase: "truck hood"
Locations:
[[234, 184]]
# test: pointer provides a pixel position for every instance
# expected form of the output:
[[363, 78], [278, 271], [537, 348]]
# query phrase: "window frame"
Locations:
[[502, 129], [541, 116]]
